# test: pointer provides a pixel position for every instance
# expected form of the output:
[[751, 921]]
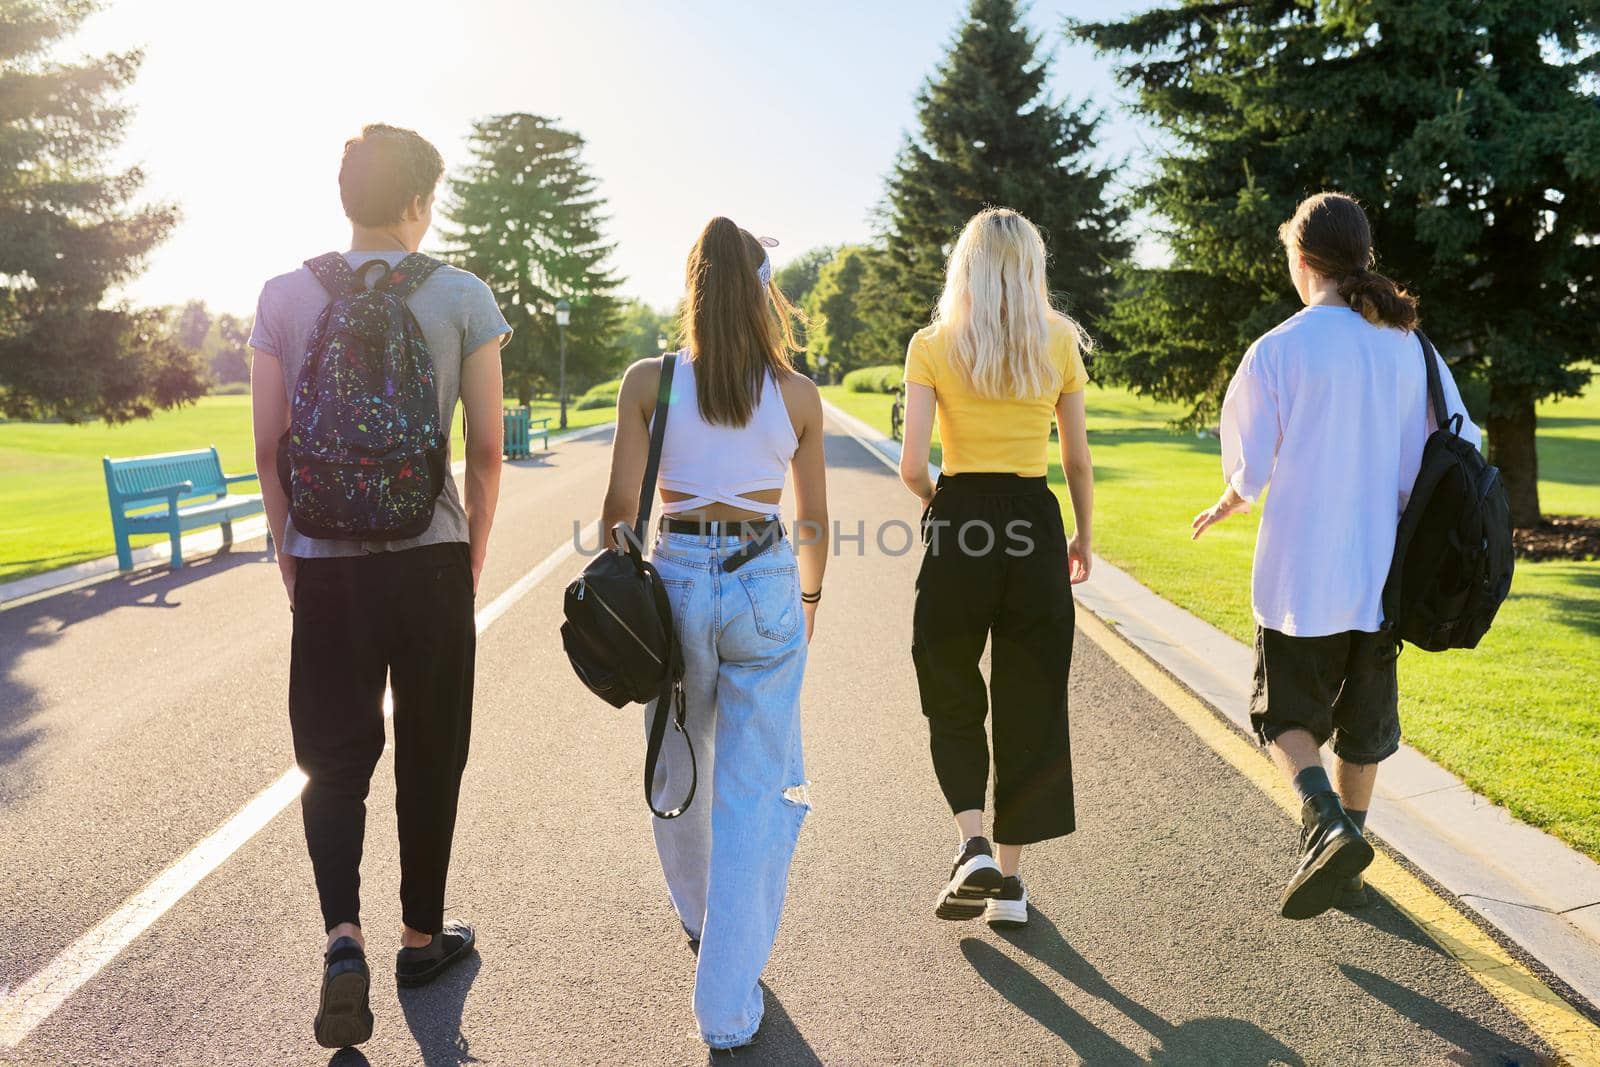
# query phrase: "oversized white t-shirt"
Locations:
[[1331, 410]]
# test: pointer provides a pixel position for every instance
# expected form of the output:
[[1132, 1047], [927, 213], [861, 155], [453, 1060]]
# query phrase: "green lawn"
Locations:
[[1515, 718], [53, 508]]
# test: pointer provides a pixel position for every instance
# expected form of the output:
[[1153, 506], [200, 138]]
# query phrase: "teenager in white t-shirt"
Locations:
[[1330, 407]]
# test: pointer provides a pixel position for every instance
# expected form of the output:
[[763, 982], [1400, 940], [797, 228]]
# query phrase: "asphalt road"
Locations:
[[137, 715]]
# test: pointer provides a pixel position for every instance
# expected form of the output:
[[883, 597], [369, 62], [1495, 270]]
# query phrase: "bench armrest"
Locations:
[[230, 479]]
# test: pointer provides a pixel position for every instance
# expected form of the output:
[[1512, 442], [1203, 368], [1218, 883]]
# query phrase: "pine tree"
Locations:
[[1471, 132], [989, 134], [69, 233], [527, 220]]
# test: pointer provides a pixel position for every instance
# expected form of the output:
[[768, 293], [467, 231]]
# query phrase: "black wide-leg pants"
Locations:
[[994, 570], [405, 617]]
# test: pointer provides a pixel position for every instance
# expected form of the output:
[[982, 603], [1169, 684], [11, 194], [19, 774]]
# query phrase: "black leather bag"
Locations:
[[618, 632]]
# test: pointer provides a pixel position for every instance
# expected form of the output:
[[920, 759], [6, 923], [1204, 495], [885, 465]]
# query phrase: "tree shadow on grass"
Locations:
[[1213, 1040], [1476, 1042], [1578, 608], [1186, 440]]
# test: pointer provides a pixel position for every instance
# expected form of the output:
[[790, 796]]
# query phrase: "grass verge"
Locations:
[[53, 509]]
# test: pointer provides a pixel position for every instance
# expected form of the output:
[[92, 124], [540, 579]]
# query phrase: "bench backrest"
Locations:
[[135, 475]]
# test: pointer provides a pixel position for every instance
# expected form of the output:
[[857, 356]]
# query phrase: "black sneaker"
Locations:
[[1009, 910], [974, 879], [1352, 894], [344, 1017], [419, 966], [1334, 852]]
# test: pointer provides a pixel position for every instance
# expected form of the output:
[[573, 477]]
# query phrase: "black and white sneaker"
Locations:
[[1009, 910], [974, 879]]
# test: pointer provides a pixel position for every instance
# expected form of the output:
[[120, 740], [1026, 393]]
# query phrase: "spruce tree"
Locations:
[[989, 134], [70, 232], [1471, 132], [527, 219]]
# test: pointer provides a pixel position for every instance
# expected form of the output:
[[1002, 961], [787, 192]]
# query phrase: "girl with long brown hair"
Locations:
[[744, 598], [1330, 406]]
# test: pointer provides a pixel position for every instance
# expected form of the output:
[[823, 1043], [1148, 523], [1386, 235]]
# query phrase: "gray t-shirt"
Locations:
[[457, 314]]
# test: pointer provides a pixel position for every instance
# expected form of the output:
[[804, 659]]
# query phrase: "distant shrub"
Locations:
[[600, 396], [884, 379], [231, 389]]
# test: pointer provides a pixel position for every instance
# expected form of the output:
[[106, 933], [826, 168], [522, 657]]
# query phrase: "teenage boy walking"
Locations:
[[1331, 407], [396, 611]]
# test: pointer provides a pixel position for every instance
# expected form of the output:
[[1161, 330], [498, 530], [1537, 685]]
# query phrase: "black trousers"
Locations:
[[406, 616], [995, 570]]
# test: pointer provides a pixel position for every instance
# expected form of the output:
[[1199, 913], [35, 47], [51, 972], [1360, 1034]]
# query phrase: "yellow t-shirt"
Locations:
[[980, 435]]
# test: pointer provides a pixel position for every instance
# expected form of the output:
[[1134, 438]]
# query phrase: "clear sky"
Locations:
[[785, 117]]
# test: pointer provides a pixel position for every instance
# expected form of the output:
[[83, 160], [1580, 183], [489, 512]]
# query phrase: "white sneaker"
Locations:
[[1009, 910], [974, 879]]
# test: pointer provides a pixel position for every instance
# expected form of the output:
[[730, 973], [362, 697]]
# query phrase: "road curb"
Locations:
[[1540, 893], [49, 583]]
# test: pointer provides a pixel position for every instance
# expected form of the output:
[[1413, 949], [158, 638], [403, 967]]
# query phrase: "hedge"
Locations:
[[884, 379]]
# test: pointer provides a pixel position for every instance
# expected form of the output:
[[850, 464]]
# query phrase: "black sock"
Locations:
[[1357, 817], [1311, 781]]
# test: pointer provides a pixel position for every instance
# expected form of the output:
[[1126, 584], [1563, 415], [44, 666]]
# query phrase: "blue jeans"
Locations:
[[726, 859]]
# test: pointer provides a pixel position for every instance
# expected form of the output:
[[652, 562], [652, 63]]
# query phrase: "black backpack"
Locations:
[[618, 631], [1453, 554], [364, 456]]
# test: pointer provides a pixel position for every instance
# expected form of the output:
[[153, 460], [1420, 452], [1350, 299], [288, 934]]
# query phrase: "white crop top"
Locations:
[[721, 464]]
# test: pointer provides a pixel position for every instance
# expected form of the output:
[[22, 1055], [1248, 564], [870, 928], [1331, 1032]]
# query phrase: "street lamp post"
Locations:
[[563, 317]]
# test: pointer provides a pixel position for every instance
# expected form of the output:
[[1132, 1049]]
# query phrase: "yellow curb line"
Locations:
[[1574, 1038]]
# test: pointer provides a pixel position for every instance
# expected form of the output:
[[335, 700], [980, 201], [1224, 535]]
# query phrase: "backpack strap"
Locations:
[[658, 434], [1430, 359], [408, 274], [334, 272]]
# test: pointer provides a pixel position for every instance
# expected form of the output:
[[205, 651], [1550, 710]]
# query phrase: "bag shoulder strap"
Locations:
[[409, 273], [1430, 359], [658, 434], [333, 271]]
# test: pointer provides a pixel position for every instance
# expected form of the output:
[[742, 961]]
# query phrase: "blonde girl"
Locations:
[[997, 364]]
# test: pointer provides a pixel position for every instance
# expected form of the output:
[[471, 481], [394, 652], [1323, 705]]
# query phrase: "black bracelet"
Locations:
[[810, 598]]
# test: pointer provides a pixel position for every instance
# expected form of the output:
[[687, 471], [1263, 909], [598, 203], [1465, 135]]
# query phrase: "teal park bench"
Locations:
[[171, 493], [521, 429]]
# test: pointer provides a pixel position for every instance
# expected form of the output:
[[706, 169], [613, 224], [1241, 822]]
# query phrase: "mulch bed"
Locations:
[[1559, 537]]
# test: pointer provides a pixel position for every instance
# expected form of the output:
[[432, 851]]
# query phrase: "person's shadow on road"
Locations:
[[434, 1014], [778, 1042], [1211, 1040], [1478, 1044]]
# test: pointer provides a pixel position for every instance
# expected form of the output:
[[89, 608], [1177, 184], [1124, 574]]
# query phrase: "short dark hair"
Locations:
[[383, 169]]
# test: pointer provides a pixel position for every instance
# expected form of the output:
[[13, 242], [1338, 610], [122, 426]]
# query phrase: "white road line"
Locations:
[[22, 1009]]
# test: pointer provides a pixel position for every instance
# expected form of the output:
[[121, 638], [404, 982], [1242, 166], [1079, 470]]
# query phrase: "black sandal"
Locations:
[[344, 1017], [419, 966]]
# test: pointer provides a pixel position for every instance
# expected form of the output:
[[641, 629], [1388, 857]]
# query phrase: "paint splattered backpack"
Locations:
[[364, 456]]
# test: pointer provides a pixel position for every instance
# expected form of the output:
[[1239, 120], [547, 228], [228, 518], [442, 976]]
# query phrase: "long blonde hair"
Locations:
[[996, 309]]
